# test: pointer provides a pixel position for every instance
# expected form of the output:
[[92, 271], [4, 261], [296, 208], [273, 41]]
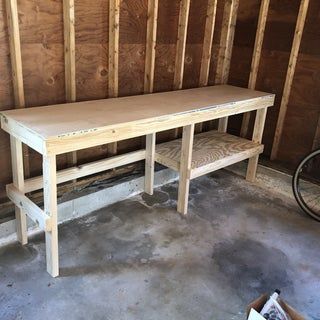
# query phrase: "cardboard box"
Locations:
[[256, 306]]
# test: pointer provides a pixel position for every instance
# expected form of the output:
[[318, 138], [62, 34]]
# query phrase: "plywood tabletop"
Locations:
[[71, 118]]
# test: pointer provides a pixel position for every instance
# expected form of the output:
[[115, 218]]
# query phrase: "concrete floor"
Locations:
[[139, 259]]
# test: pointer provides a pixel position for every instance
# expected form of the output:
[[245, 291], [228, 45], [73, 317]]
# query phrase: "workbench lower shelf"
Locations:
[[212, 150]]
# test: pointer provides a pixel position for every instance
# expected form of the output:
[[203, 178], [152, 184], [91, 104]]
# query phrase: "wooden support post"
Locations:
[[181, 44], [206, 49], [149, 166], [113, 87], [264, 8], [151, 45], [256, 137], [148, 88], [225, 50], [16, 66], [50, 209], [207, 43], [69, 60], [185, 168], [18, 182], [181, 48], [290, 74]]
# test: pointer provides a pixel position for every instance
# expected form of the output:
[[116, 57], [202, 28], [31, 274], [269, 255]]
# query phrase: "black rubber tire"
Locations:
[[295, 186]]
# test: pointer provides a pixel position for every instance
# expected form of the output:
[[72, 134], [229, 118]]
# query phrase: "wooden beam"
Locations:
[[181, 49], [151, 45], [50, 209], [29, 207], [256, 137], [94, 167], [225, 49], [185, 168], [290, 74], [16, 66], [149, 166], [113, 74], [69, 60], [264, 8], [181, 44], [69, 50], [18, 182], [207, 43]]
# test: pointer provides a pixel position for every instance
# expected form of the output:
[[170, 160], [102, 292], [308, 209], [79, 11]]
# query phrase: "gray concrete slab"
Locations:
[[138, 259]]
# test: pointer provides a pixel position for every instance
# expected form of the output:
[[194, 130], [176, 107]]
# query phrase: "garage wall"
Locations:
[[41, 28]]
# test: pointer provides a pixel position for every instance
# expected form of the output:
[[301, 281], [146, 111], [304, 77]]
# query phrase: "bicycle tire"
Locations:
[[295, 186]]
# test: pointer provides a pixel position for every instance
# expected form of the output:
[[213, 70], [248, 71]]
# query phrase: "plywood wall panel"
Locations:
[[91, 71], [43, 73], [91, 21]]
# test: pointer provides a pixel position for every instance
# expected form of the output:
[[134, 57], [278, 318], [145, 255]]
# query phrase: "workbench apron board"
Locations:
[[58, 129]]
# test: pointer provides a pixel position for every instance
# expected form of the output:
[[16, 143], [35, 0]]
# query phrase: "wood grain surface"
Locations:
[[208, 147]]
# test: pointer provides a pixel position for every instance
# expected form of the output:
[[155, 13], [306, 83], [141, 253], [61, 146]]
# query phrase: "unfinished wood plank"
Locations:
[[264, 8], [212, 150], [149, 166], [87, 169], [29, 207], [207, 43], [69, 50], [181, 44], [16, 66], [113, 65], [18, 182], [69, 59], [289, 77], [257, 138], [185, 168], [151, 45], [225, 49], [87, 124], [50, 209]]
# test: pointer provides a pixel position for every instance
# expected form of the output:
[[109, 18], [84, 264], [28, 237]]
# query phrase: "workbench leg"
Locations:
[[50, 208], [185, 168], [256, 137], [18, 182], [149, 166]]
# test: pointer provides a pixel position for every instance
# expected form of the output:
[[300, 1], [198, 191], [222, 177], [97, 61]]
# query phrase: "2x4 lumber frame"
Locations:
[[225, 49], [181, 44], [207, 43], [256, 137], [207, 48], [113, 61], [84, 170], [29, 207], [263, 14], [289, 77], [185, 168], [16, 66], [149, 166], [69, 60], [151, 45], [181, 49], [18, 182], [148, 88], [50, 209]]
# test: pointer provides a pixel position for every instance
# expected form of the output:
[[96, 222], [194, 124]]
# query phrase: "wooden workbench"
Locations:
[[58, 129]]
